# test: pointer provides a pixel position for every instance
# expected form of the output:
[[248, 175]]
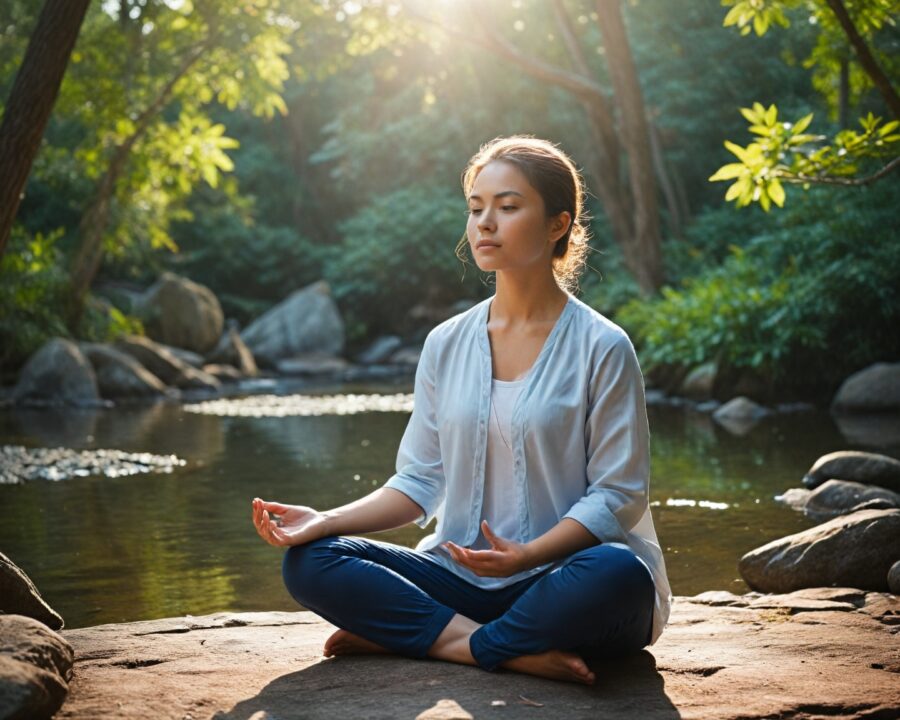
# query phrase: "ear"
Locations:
[[560, 224]]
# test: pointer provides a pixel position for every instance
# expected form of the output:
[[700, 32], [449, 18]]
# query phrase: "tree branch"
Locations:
[[866, 59], [855, 182]]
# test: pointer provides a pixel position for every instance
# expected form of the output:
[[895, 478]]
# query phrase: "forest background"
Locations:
[[259, 146]]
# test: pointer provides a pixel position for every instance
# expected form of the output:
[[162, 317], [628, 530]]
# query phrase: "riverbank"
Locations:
[[823, 652]]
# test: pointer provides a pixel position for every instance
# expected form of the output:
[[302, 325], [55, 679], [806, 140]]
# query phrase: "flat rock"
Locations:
[[826, 652], [839, 497]]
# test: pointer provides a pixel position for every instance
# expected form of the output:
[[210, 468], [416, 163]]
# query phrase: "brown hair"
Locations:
[[553, 174]]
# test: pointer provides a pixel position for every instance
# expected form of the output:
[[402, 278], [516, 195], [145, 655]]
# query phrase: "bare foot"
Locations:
[[553, 664], [346, 643]]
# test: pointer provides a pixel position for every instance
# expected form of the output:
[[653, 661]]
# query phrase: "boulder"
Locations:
[[120, 375], [854, 466], [58, 373], [894, 578], [177, 311], [312, 364], [231, 350], [739, 415], [169, 368], [855, 550], [195, 360], [698, 385], [308, 321], [19, 596], [839, 497], [380, 350], [35, 668], [874, 389]]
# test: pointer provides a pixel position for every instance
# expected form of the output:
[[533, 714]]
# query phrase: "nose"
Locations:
[[486, 220]]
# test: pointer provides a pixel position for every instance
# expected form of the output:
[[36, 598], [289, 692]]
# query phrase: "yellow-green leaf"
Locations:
[[727, 172]]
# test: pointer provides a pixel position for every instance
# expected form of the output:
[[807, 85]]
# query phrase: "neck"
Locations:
[[520, 300]]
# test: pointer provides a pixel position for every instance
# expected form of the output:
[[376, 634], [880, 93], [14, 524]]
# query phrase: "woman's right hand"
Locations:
[[297, 525]]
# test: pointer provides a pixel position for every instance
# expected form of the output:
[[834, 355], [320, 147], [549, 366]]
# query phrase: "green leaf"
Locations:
[[727, 172], [776, 192]]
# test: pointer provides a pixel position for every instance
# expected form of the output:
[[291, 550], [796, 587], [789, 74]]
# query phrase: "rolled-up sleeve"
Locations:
[[420, 470], [617, 441]]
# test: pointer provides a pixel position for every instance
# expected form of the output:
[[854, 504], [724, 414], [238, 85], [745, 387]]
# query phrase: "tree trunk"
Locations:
[[31, 100], [89, 255], [635, 138]]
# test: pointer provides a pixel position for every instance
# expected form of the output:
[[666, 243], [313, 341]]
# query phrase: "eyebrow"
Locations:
[[499, 195]]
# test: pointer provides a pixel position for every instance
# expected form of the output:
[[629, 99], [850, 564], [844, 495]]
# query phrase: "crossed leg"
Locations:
[[414, 606]]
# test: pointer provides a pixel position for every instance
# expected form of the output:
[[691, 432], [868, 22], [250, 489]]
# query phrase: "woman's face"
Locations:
[[507, 226]]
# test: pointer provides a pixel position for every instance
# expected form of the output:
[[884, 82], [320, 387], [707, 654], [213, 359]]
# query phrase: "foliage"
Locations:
[[32, 282], [783, 151], [810, 300], [398, 252]]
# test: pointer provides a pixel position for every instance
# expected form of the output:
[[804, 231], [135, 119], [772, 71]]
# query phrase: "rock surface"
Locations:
[[20, 596], [873, 389], [35, 666], [851, 550], [177, 311], [739, 415], [828, 652], [894, 578], [57, 373], [861, 467], [307, 321]]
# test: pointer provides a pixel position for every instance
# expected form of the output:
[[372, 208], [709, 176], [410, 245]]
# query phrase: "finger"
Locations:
[[497, 542], [275, 507]]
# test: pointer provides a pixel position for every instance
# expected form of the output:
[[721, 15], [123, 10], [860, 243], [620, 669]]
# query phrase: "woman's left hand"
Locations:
[[505, 557]]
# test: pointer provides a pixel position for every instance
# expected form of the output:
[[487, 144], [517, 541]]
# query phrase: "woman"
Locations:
[[528, 442]]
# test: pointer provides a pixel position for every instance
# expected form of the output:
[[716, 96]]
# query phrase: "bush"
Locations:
[[32, 287], [804, 304]]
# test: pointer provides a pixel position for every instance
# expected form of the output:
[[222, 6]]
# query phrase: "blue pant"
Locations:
[[598, 603]]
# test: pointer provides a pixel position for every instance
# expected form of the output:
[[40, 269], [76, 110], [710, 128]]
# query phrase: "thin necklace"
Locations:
[[494, 408]]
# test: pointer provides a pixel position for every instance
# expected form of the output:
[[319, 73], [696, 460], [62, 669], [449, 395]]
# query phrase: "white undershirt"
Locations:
[[501, 503]]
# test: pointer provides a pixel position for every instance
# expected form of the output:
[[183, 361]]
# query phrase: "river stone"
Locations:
[[851, 465], [739, 415], [58, 373], [710, 662], [177, 311], [839, 497], [231, 350], [380, 350], [873, 389], [168, 367], [853, 550], [120, 375], [35, 667], [699, 383], [894, 578], [19, 596], [308, 321]]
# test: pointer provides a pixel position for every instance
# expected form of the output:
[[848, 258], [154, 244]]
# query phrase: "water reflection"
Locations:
[[118, 549]]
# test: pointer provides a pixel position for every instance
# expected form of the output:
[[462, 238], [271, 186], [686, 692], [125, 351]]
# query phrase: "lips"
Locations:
[[486, 243]]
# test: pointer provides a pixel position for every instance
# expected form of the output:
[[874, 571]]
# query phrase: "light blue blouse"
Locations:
[[580, 438]]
